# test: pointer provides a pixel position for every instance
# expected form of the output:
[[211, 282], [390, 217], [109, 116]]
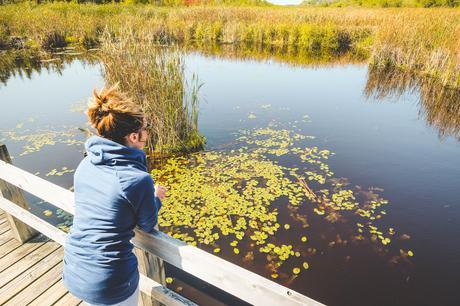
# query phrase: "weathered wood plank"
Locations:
[[153, 267], [29, 218], [20, 253], [3, 220], [229, 277], [37, 186], [8, 247], [68, 300], [5, 230], [5, 237], [38, 286], [20, 230], [31, 259], [51, 295], [4, 226], [162, 294], [25, 279]]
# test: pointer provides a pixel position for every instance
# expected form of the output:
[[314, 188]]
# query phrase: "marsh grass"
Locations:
[[417, 39], [154, 76], [429, 46]]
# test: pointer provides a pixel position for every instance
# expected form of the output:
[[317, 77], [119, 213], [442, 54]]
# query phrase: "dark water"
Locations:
[[386, 131]]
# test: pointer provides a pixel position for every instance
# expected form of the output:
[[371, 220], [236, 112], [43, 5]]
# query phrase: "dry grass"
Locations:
[[154, 76], [423, 40]]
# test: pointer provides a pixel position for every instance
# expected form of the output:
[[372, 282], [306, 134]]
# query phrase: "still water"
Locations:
[[383, 135]]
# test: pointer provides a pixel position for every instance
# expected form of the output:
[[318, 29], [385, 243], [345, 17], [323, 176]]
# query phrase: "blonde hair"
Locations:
[[114, 115]]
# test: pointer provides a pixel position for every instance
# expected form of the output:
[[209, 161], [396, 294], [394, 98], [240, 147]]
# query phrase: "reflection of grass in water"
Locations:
[[219, 197], [24, 63], [291, 55], [438, 104]]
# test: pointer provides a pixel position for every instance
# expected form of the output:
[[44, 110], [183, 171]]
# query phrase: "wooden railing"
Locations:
[[220, 273]]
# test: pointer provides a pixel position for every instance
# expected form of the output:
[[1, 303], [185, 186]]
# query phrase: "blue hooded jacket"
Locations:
[[113, 194]]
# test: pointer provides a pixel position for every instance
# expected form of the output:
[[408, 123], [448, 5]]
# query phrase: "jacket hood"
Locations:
[[102, 151]]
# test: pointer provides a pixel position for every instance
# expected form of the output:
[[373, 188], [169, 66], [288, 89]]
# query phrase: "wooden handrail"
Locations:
[[231, 278]]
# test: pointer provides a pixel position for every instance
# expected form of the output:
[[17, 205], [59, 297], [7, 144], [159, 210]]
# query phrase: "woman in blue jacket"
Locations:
[[114, 193]]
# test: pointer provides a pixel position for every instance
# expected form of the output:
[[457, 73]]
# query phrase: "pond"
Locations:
[[334, 180]]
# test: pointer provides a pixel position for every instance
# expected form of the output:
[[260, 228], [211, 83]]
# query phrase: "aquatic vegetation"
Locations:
[[56, 172], [66, 219], [154, 77], [48, 213], [39, 138], [235, 201]]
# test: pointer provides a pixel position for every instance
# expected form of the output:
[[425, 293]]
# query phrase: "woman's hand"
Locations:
[[160, 191]]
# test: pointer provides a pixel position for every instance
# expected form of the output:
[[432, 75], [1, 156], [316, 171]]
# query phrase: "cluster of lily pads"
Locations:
[[233, 200], [34, 140]]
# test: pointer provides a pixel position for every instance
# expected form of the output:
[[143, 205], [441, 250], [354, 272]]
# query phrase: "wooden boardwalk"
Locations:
[[30, 273]]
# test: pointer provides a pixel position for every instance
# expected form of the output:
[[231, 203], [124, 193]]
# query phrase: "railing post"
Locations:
[[21, 232], [153, 267]]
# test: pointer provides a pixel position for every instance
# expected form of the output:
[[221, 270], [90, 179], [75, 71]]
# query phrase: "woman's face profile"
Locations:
[[137, 139]]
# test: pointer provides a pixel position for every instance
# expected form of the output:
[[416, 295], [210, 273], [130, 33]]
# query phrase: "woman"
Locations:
[[114, 193]]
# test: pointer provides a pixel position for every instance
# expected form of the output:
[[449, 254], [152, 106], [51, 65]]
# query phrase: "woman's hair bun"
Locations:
[[113, 114]]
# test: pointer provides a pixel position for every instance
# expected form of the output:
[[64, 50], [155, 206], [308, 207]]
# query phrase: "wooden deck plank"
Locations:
[[4, 226], [21, 252], [27, 262], [40, 284], [3, 220], [51, 295], [5, 230], [25, 279], [5, 237], [68, 300], [8, 247]]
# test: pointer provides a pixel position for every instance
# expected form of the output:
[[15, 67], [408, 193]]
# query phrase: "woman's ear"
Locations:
[[132, 138]]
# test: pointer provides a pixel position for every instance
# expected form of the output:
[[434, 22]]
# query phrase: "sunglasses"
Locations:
[[147, 127]]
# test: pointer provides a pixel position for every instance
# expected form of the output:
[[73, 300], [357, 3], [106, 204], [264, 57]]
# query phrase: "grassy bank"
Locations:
[[423, 40]]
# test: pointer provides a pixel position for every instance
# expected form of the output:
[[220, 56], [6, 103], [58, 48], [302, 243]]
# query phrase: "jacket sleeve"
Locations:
[[148, 206]]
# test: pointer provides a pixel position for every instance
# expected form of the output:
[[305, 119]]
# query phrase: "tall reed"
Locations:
[[428, 43], [154, 76]]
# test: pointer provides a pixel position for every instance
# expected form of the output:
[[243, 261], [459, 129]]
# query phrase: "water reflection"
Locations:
[[291, 55], [24, 63], [438, 105]]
